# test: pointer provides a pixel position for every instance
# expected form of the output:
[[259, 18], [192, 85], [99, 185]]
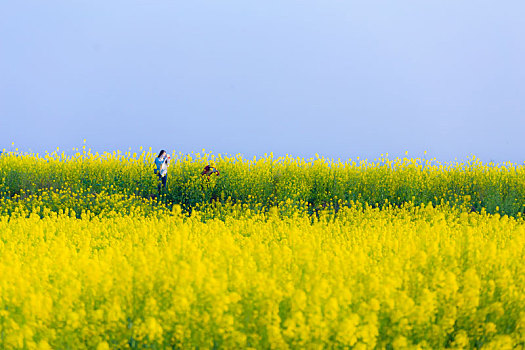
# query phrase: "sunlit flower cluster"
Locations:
[[273, 253], [402, 278]]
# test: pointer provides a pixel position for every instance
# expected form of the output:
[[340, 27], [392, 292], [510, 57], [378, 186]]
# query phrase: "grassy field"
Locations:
[[274, 253]]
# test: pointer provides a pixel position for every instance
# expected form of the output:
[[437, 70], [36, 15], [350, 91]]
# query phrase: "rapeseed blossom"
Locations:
[[318, 183], [279, 253], [418, 277]]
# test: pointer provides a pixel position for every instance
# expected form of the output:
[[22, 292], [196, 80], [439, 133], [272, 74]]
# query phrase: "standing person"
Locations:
[[162, 162]]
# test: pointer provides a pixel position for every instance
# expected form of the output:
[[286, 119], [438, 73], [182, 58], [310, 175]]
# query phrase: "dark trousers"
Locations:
[[162, 181]]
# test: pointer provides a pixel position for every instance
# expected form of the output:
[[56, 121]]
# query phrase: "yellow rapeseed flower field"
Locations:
[[420, 277], [273, 254], [268, 181]]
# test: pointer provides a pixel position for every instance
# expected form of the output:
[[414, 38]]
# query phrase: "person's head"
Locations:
[[162, 153]]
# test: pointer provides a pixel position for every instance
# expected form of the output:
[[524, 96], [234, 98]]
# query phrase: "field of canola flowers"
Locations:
[[275, 253], [261, 183]]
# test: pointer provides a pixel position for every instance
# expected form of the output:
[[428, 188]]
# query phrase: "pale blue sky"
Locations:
[[338, 78]]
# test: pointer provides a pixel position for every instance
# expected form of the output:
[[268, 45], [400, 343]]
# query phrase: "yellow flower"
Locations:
[[103, 346]]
